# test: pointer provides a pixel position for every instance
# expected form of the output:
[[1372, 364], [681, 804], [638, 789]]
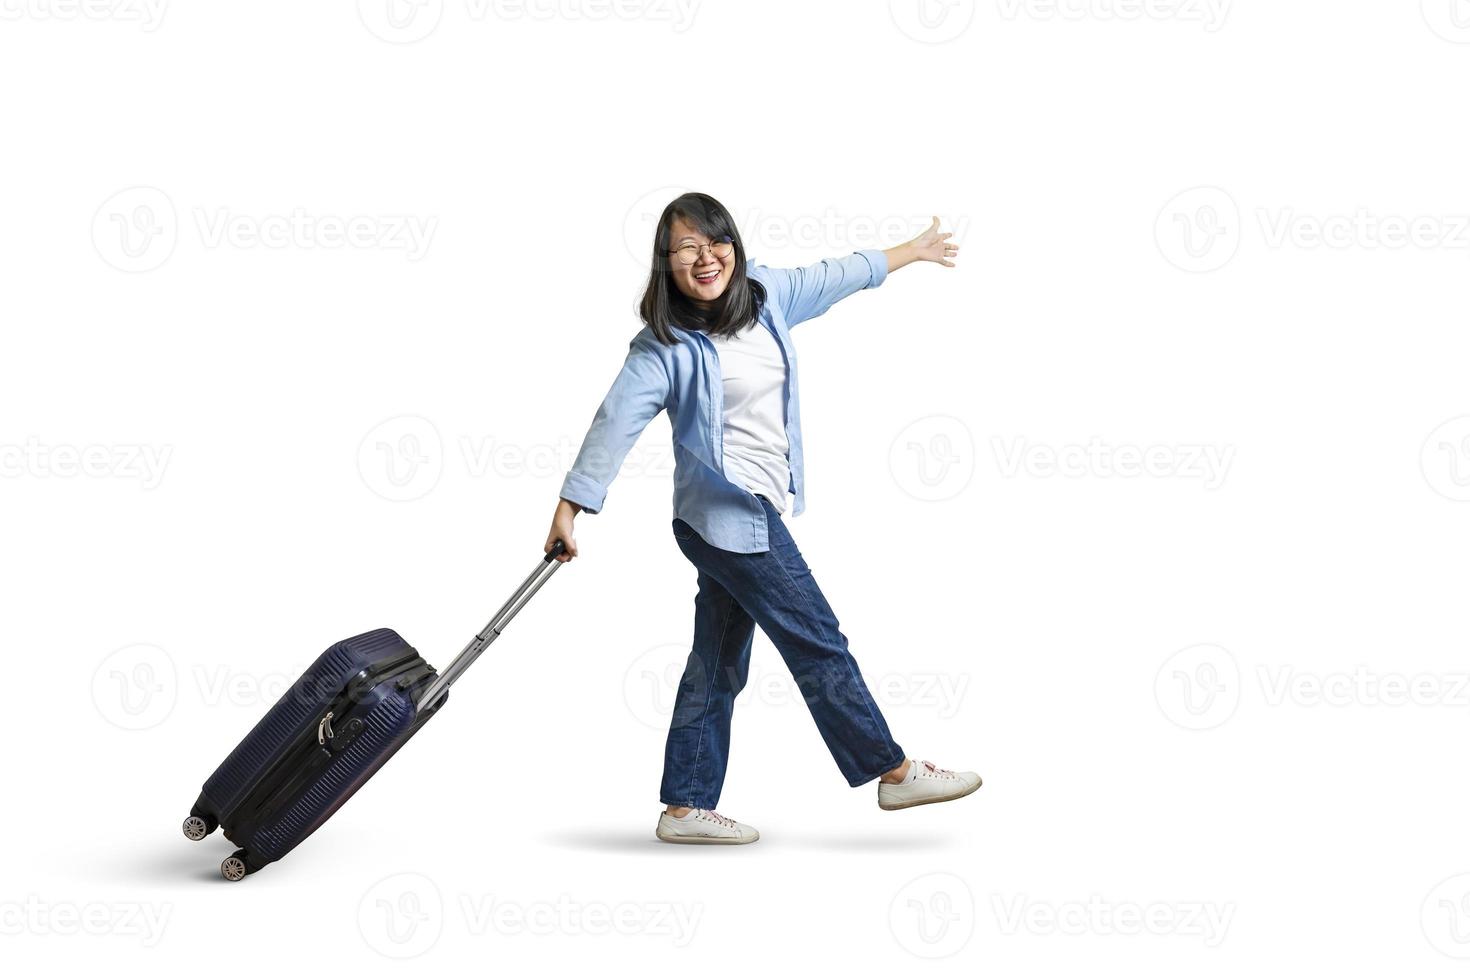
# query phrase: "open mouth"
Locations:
[[705, 278]]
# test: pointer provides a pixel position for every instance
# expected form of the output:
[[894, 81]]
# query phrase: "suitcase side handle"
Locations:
[[545, 568]]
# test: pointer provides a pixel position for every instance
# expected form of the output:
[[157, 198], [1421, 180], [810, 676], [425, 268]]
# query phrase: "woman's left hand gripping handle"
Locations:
[[561, 531]]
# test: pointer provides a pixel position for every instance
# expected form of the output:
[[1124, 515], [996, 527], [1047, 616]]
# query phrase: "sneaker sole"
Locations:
[[934, 799], [699, 839]]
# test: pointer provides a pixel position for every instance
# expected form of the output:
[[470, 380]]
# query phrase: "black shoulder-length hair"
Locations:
[[663, 302]]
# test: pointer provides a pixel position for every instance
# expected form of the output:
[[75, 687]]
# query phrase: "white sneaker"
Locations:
[[704, 827], [926, 783]]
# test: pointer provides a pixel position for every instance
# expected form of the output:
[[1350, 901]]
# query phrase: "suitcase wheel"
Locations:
[[198, 828], [234, 867]]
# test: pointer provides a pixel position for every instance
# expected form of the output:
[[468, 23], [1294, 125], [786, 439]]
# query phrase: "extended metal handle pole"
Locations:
[[545, 568]]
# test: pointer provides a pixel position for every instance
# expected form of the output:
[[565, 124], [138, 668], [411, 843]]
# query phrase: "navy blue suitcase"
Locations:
[[352, 709]]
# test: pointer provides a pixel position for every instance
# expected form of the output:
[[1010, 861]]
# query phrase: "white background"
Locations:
[[1227, 702]]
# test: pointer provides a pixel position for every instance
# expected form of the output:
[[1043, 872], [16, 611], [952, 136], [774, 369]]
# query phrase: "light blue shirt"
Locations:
[[685, 379]]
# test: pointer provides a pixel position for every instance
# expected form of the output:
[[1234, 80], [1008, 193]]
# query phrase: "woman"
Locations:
[[716, 352]]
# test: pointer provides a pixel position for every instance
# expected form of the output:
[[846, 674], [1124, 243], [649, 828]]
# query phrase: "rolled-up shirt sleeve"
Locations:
[[638, 393], [808, 291]]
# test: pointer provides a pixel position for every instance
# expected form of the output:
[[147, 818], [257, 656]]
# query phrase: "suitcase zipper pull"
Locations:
[[324, 730]]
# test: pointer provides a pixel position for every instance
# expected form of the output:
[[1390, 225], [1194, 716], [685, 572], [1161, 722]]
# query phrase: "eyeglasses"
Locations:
[[689, 252]]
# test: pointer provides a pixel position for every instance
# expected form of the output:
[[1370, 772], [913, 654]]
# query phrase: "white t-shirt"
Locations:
[[754, 374]]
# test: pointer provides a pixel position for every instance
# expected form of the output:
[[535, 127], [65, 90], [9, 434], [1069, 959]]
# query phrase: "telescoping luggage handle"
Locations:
[[545, 568]]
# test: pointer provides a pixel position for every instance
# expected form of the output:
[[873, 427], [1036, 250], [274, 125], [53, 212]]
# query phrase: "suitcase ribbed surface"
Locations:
[[385, 729], [305, 700]]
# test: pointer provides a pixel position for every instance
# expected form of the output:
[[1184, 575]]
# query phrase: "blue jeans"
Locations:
[[775, 590]]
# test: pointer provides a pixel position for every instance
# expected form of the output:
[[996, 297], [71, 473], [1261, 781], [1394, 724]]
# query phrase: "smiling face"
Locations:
[[706, 279]]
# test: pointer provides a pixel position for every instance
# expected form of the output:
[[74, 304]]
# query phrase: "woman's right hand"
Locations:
[[561, 530]]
